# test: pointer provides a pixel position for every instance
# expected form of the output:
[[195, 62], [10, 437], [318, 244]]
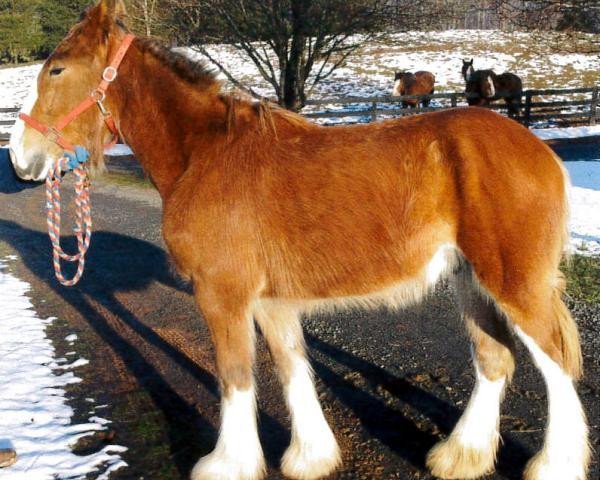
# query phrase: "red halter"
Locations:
[[96, 97]]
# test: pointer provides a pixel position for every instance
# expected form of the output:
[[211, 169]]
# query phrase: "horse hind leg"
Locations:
[[313, 451], [238, 454], [470, 450], [554, 345]]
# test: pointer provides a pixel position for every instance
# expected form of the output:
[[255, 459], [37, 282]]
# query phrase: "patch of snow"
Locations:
[[584, 198], [34, 417], [100, 421], [118, 150], [569, 132], [77, 363], [71, 338]]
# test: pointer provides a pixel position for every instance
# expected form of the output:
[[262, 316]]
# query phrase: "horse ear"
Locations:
[[111, 11]]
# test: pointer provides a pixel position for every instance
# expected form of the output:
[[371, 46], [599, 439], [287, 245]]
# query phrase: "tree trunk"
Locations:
[[294, 97]]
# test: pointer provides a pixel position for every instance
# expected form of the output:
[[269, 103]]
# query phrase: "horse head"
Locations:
[[71, 75], [467, 69], [399, 83]]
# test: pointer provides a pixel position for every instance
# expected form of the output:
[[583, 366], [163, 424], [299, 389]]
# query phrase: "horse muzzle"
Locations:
[[32, 166]]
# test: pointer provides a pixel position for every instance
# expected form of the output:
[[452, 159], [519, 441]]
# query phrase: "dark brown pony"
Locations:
[[483, 87], [418, 83], [271, 216]]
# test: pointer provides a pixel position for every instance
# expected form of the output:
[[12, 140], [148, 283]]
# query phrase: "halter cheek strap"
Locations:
[[97, 97]]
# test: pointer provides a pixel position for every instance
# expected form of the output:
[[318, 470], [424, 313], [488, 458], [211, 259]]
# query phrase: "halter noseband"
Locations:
[[54, 134]]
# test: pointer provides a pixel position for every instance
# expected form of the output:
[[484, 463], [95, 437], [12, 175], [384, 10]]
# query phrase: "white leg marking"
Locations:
[[566, 452], [238, 454], [478, 426], [470, 450], [313, 452]]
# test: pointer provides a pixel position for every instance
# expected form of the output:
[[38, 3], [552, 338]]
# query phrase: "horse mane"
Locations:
[[196, 72], [268, 114], [200, 74]]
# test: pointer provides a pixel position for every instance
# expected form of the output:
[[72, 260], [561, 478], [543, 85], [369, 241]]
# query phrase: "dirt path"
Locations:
[[390, 384]]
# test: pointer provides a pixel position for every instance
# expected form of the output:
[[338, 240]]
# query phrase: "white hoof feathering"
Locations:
[[238, 454], [566, 452], [313, 452], [470, 450]]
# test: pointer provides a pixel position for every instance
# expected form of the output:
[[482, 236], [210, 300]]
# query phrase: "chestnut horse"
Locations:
[[483, 87], [418, 83], [271, 216]]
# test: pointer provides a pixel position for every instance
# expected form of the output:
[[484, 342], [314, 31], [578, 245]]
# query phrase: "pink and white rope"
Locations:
[[83, 221]]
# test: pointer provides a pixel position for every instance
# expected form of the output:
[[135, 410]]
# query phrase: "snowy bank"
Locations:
[[584, 197], [569, 132], [35, 419]]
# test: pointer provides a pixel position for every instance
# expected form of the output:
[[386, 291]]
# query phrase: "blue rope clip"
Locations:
[[78, 158]]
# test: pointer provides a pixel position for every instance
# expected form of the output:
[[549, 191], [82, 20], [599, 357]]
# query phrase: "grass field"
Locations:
[[583, 278]]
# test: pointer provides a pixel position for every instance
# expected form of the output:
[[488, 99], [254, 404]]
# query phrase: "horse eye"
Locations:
[[56, 71]]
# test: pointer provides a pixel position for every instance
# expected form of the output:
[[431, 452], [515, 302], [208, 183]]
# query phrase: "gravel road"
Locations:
[[391, 384]]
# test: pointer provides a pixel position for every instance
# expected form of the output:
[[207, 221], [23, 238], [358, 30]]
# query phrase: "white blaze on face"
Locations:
[[397, 88], [30, 162], [470, 72]]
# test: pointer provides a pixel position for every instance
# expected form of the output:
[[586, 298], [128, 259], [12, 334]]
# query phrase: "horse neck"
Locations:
[[157, 111]]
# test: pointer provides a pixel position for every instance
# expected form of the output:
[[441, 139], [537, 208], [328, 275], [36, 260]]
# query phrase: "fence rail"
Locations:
[[564, 107], [548, 107]]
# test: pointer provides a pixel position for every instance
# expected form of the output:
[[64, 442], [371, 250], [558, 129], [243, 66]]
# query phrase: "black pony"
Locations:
[[485, 86]]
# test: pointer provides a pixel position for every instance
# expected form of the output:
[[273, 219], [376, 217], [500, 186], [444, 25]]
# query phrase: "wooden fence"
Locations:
[[4, 137], [540, 108]]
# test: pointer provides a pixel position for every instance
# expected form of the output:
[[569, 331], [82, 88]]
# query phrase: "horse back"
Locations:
[[326, 212], [424, 82], [509, 83]]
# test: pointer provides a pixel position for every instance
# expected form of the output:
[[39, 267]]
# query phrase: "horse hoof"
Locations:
[[450, 459], [551, 467], [303, 461], [219, 466]]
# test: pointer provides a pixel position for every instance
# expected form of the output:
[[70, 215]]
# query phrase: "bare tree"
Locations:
[[148, 16], [295, 44]]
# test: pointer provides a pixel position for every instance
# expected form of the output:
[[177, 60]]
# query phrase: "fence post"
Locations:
[[453, 102], [373, 111], [527, 108], [594, 106]]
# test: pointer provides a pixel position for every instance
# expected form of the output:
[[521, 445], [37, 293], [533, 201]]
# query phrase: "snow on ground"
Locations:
[[370, 71], [35, 419], [15, 84], [569, 132], [584, 197]]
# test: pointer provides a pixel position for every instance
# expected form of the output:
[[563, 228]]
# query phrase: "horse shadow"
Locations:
[[189, 433], [399, 433], [111, 260]]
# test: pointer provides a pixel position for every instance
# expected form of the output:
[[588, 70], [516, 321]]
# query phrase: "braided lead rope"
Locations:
[[83, 220]]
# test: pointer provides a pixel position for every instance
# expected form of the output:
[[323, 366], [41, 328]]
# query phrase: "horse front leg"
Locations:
[[238, 454], [313, 452]]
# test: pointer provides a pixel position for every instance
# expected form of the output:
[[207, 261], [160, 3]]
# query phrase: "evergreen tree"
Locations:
[[31, 29]]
